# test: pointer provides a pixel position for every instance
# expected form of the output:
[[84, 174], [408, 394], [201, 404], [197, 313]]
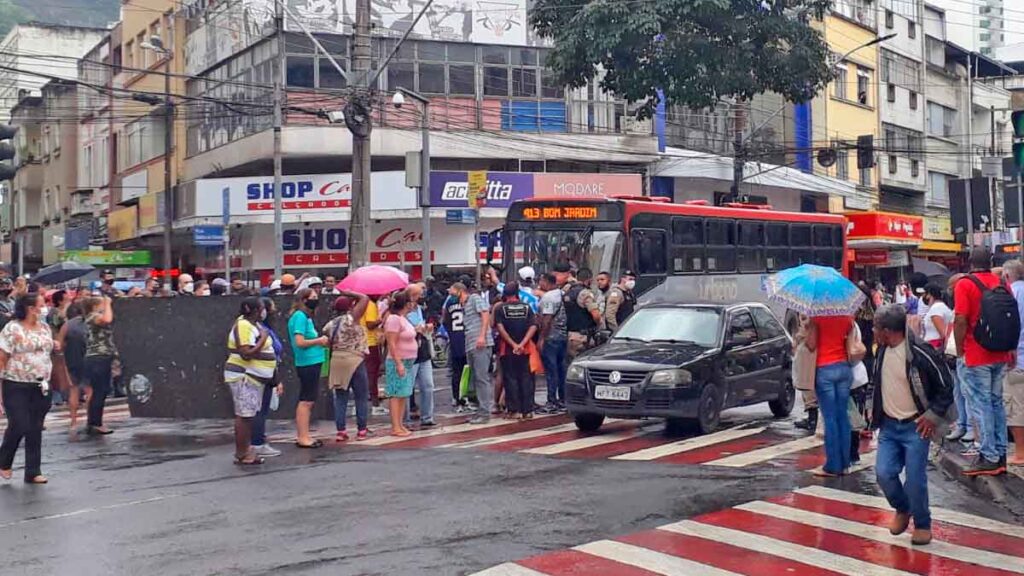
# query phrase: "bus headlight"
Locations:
[[576, 373], [675, 377]]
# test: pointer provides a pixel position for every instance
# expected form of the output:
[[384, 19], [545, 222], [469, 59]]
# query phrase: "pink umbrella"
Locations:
[[375, 280]]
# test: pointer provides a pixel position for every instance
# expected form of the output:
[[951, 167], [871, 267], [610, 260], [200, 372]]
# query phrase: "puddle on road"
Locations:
[[177, 440]]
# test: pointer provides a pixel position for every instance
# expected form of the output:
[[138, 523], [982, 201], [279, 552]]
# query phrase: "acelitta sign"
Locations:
[[451, 189]]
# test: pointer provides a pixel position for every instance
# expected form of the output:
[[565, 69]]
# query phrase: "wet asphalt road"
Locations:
[[162, 497]]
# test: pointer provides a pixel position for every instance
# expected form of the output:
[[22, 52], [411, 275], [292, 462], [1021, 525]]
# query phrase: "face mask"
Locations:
[[109, 282], [44, 312], [263, 315], [630, 284], [189, 288], [312, 303]]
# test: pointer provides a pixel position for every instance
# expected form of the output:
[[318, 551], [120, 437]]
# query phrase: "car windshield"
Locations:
[[598, 250], [697, 325]]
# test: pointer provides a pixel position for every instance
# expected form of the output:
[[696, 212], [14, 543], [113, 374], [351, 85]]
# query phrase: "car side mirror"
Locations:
[[603, 336]]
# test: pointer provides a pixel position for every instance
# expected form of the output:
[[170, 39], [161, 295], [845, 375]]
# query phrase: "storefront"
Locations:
[[317, 212], [881, 243], [939, 245]]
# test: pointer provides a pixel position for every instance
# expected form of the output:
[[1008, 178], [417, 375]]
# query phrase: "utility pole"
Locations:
[[358, 119], [739, 158], [279, 77], [168, 195]]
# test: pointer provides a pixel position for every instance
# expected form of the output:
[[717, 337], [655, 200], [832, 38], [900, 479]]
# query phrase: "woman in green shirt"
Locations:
[[309, 351]]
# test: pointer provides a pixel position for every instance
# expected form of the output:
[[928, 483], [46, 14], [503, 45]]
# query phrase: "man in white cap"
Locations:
[[314, 283], [527, 275]]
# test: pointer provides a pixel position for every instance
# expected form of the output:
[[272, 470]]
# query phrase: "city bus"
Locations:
[[691, 252]]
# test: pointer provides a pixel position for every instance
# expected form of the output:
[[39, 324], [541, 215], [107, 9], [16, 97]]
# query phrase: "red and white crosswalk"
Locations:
[[811, 531], [116, 410], [753, 444]]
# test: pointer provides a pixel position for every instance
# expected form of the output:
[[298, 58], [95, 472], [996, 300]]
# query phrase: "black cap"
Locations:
[[561, 268], [108, 271], [629, 273]]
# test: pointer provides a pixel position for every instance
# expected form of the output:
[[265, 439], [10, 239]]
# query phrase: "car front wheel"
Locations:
[[783, 405], [589, 422], [709, 409]]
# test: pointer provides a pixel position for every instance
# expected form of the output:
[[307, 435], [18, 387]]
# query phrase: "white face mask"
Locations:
[[44, 312], [630, 284], [263, 315], [189, 288]]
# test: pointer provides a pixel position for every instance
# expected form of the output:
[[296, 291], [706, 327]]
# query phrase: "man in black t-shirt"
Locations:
[[516, 325]]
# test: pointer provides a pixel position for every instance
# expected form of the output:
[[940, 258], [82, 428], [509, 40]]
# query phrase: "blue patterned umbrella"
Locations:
[[814, 291]]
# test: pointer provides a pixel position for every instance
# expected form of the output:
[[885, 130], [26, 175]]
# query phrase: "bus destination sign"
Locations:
[[560, 212]]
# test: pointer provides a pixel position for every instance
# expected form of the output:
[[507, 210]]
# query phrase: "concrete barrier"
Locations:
[[180, 345]]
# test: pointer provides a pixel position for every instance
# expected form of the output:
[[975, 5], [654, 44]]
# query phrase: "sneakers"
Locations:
[[342, 436], [549, 408], [899, 524], [480, 420], [983, 467], [362, 435], [427, 424], [968, 437], [266, 451], [971, 450], [956, 433], [921, 537], [379, 411]]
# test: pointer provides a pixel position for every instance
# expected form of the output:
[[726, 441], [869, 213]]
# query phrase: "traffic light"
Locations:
[[865, 152], [7, 152]]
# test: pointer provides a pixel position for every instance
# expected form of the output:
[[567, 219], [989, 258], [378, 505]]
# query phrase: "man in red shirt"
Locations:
[[984, 369]]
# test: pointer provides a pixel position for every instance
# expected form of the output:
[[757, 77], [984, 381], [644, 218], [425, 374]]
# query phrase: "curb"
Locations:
[[1006, 490]]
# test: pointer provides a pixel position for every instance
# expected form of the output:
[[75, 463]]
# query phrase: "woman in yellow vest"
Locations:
[[250, 366]]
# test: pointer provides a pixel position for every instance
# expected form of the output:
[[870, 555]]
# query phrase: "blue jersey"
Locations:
[[454, 324], [525, 295]]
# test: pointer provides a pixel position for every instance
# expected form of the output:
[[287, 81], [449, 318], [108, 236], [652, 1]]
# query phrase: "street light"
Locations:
[[398, 100], [156, 44]]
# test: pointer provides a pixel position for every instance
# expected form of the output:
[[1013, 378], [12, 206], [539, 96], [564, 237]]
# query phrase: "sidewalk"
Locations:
[[1006, 490]]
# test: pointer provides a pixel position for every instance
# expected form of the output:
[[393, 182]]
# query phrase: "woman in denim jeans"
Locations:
[[834, 375], [348, 365]]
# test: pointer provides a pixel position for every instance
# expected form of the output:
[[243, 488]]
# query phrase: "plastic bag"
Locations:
[[275, 401], [464, 382]]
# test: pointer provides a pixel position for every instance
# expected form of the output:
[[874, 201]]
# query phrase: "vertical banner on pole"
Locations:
[[476, 196], [225, 198]]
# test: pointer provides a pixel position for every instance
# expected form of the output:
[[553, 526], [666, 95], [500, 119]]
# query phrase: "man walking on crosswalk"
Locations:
[[914, 392]]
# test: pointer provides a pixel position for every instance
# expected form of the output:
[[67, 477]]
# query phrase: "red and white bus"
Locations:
[[680, 252]]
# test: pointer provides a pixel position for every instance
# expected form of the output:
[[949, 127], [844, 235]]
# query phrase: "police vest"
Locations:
[[577, 318], [626, 306]]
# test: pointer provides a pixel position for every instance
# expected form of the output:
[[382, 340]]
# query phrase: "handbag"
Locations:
[[325, 368], [536, 363], [855, 349]]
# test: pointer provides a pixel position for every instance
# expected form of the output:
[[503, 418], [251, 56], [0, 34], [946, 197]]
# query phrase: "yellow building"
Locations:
[[849, 107], [148, 45]]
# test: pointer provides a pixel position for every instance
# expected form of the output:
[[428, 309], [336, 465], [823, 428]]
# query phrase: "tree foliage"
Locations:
[[696, 52]]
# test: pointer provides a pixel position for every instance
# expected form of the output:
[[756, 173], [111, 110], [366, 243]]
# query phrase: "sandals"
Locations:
[[316, 444], [254, 462], [37, 480], [6, 474]]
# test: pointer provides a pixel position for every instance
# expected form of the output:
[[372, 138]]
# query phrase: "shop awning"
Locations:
[[936, 246], [683, 163], [883, 230]]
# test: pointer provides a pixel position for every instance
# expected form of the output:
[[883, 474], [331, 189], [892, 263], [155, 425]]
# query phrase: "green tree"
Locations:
[[697, 52], [11, 15]]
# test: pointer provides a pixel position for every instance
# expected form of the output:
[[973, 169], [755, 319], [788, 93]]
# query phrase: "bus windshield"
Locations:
[[598, 250]]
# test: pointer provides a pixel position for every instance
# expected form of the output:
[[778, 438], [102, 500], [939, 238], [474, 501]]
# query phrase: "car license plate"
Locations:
[[612, 393]]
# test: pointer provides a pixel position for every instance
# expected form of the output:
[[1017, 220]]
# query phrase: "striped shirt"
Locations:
[[473, 320], [261, 367]]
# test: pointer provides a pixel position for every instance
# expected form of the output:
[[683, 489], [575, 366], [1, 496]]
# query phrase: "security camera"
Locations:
[[398, 99]]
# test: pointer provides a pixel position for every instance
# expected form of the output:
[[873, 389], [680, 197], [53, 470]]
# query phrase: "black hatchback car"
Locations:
[[686, 363]]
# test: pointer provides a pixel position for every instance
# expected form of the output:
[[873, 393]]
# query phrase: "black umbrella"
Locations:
[[62, 272]]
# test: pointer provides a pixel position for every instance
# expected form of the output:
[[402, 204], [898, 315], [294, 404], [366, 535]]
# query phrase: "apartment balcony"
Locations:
[[903, 172]]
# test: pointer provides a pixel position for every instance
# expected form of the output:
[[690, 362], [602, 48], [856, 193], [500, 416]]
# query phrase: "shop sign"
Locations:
[[884, 225], [899, 258], [457, 217], [311, 246], [108, 257], [300, 194], [122, 224], [583, 186], [451, 189], [871, 257], [938, 229], [208, 235]]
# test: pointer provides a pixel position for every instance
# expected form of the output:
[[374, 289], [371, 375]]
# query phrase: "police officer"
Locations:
[[621, 301], [582, 314]]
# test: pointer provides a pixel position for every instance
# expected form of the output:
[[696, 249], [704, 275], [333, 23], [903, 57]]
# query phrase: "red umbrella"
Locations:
[[375, 280]]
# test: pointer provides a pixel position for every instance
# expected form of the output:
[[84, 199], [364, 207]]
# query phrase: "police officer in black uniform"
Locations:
[[582, 312], [621, 301]]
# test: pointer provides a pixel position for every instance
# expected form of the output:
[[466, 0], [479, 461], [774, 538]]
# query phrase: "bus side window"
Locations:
[[838, 251], [687, 245], [721, 239], [777, 243], [649, 247], [823, 247], [800, 240], [750, 246]]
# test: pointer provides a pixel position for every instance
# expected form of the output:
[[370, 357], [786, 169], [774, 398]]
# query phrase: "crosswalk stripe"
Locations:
[[509, 569], [951, 533], [511, 437], [442, 430], [767, 453], [940, 514], [689, 444], [575, 563], [880, 534], [650, 560], [766, 545], [582, 443]]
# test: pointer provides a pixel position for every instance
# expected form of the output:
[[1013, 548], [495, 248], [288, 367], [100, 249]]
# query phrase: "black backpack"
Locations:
[[998, 327]]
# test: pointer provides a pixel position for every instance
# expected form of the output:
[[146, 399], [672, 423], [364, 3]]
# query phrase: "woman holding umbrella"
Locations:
[[830, 300]]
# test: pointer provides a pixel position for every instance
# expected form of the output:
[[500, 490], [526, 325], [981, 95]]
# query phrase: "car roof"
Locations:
[[714, 305]]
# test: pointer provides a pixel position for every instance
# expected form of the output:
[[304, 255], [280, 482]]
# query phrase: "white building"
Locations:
[[21, 48]]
